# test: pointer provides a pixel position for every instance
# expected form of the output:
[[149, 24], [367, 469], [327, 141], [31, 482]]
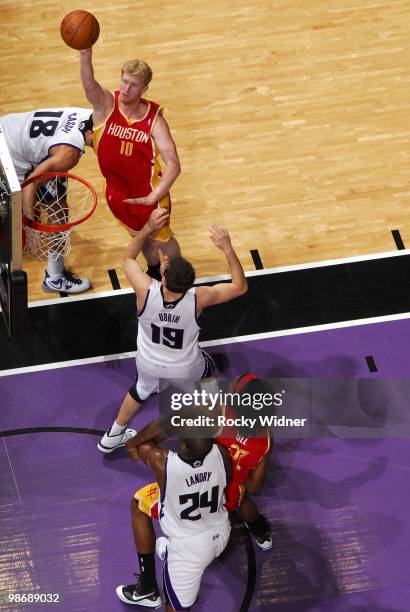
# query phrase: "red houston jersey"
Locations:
[[126, 150], [245, 454]]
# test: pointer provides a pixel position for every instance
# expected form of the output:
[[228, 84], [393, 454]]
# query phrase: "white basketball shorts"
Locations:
[[185, 561], [148, 377]]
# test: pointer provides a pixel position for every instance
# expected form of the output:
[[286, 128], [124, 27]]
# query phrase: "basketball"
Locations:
[[79, 30]]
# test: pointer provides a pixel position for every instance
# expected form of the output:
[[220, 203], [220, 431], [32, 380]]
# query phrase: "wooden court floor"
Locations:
[[291, 120]]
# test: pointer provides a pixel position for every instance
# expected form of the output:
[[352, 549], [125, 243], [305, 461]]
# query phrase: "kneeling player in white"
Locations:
[[192, 515], [168, 328]]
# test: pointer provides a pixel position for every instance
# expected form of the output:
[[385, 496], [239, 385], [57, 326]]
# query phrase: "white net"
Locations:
[[38, 244], [59, 202]]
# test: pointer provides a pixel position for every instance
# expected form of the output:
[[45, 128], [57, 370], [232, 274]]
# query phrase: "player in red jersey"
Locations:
[[129, 134], [249, 451]]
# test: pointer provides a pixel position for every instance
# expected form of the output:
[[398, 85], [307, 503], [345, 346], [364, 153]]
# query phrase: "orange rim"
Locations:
[[45, 227]]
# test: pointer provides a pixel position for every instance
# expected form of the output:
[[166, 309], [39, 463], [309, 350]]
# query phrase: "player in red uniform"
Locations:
[[250, 451], [129, 134]]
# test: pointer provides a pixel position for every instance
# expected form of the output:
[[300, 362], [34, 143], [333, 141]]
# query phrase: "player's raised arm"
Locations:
[[133, 271], [101, 99], [223, 292]]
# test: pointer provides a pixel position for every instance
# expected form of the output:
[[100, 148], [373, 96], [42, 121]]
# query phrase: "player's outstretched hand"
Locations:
[[148, 200], [133, 454], [158, 218], [29, 198], [220, 237], [132, 451]]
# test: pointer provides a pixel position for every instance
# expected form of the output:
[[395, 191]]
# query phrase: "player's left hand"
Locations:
[[148, 200], [220, 237], [132, 452]]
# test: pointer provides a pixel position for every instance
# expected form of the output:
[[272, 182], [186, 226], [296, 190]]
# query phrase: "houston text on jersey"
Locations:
[[127, 133]]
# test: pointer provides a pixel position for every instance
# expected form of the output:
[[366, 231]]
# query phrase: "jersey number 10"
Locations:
[[126, 148]]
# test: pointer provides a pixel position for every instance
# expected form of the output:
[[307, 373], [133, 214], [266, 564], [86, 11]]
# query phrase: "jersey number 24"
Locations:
[[199, 501]]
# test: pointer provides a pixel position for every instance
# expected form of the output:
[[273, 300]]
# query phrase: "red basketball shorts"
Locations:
[[135, 216]]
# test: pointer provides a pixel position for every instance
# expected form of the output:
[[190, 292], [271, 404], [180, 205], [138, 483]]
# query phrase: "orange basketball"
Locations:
[[79, 30]]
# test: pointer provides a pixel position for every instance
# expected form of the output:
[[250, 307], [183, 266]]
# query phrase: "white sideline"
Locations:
[[220, 342], [211, 279]]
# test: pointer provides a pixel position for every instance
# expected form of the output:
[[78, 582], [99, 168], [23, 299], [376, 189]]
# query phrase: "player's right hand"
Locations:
[[148, 200], [28, 200], [158, 218]]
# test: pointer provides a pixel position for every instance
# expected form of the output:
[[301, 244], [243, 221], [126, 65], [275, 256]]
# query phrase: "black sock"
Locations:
[[147, 569], [259, 527], [235, 517]]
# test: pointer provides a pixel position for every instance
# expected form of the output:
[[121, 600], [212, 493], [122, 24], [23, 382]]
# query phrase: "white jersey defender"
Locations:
[[30, 136], [193, 498], [168, 331], [193, 515], [167, 342]]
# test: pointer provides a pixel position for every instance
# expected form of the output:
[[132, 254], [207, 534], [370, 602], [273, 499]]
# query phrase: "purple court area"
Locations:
[[338, 507]]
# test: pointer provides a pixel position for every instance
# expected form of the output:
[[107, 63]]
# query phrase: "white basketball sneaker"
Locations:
[[108, 443], [67, 283], [161, 547]]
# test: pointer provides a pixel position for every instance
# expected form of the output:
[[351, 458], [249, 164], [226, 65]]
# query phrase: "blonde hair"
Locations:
[[137, 68]]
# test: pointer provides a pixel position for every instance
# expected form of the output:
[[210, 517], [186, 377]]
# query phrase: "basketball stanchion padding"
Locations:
[[61, 201]]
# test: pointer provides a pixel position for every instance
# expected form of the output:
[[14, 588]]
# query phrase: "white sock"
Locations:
[[116, 430], [55, 264]]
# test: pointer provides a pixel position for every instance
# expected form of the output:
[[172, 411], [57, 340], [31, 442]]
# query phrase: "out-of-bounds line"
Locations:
[[30, 430], [211, 279], [210, 343], [82, 297], [307, 330], [68, 364]]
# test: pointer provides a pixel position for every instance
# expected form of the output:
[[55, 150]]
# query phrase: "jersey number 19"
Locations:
[[168, 336]]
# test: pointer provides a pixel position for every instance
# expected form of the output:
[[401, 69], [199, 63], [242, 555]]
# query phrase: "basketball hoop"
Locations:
[[62, 201]]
